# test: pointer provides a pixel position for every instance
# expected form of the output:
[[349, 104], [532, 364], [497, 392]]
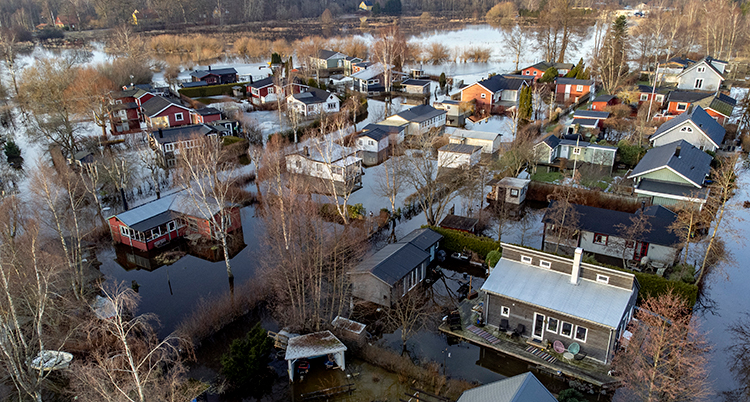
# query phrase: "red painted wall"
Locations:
[[475, 91]]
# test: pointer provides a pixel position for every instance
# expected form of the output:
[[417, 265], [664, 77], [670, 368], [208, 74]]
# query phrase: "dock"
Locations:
[[535, 354]]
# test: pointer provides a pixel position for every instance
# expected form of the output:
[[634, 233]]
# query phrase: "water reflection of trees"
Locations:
[[739, 359]]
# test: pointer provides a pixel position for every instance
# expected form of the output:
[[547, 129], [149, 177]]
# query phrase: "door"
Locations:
[[641, 249], [538, 331]]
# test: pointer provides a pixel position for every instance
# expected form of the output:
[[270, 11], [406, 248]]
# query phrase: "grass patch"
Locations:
[[547, 177], [457, 241]]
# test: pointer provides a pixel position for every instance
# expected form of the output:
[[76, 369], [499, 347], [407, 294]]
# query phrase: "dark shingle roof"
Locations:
[[387, 128], [194, 84], [585, 122], [376, 134], [173, 134], [218, 71], [207, 111], [422, 238], [692, 163], [687, 96], [609, 222], [420, 113], [500, 83], [393, 261], [326, 54], [552, 140], [573, 81], [460, 148], [459, 223], [684, 62], [153, 106], [604, 98], [419, 83], [591, 114], [662, 187], [314, 95], [521, 388], [261, 83], [710, 127]]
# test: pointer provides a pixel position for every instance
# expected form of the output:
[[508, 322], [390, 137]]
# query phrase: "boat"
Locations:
[[49, 360], [461, 256]]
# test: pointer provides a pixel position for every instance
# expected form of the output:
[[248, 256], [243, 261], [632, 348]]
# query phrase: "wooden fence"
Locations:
[[539, 191]]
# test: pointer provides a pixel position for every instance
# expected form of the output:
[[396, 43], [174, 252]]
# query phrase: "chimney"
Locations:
[[307, 151], [209, 67], [575, 273], [161, 133], [643, 206], [677, 151]]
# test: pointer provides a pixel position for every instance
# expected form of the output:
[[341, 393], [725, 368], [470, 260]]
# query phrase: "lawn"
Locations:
[[547, 177]]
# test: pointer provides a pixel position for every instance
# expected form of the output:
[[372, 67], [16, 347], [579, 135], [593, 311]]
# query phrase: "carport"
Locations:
[[310, 346]]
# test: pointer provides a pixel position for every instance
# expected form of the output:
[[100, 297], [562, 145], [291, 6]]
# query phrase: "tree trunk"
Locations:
[[226, 255]]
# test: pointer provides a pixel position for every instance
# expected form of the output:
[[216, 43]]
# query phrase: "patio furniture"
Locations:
[[558, 347], [520, 329], [574, 348], [580, 355], [504, 326], [568, 356]]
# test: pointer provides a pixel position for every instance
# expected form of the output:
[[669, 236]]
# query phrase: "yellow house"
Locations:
[[365, 5]]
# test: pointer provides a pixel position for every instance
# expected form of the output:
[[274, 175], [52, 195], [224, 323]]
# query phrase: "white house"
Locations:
[[458, 155], [314, 102], [327, 160], [697, 127], [490, 142], [705, 75], [420, 119], [372, 146]]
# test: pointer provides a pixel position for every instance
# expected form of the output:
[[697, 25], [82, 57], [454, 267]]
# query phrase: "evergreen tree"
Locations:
[[443, 80], [11, 150], [312, 83], [392, 7], [525, 107], [275, 58], [575, 71], [376, 9], [549, 75], [246, 363]]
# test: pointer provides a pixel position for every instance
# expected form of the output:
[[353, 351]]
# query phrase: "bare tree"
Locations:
[[612, 63], [667, 356], [391, 181], [389, 49], [739, 349], [516, 43], [689, 218], [410, 314], [561, 215], [629, 235]]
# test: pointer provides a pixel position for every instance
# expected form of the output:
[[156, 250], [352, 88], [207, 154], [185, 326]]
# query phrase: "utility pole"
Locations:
[[653, 91]]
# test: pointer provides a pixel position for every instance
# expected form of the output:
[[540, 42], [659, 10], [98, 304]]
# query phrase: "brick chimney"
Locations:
[[575, 273]]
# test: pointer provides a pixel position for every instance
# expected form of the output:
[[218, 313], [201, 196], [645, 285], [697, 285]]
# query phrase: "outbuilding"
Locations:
[[311, 346]]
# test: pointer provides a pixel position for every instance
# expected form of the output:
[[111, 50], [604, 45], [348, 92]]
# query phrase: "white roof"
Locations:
[[513, 182], [479, 135], [313, 345], [349, 325], [370, 72]]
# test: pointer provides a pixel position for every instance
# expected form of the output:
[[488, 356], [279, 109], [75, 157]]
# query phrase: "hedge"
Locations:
[[212, 90], [655, 285], [457, 241]]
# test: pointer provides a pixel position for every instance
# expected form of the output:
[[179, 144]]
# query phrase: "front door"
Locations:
[[641, 249], [538, 331]]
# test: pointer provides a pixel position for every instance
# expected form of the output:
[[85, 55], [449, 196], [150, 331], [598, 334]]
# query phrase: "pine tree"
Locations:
[[443, 80], [525, 105], [549, 75], [246, 363], [575, 71]]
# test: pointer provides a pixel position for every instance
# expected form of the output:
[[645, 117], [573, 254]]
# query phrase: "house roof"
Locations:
[[390, 129], [370, 72], [174, 134], [261, 83], [722, 103], [707, 61], [511, 182], [520, 388], [605, 98], [678, 190], [419, 83], [682, 61], [460, 148], [500, 83], [591, 114], [216, 71], [459, 222], [422, 238], [420, 113], [573, 81], [194, 84], [207, 111], [551, 140], [376, 134], [393, 262], [693, 164], [124, 106], [544, 65], [163, 210], [327, 54], [156, 105], [478, 135], [710, 127], [649, 89], [313, 345], [130, 92], [552, 290], [609, 222], [586, 122], [687, 96], [312, 96]]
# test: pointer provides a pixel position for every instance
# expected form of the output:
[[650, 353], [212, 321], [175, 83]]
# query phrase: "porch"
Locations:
[[527, 350]]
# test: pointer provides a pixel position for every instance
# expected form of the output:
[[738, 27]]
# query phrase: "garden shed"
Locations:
[[310, 346]]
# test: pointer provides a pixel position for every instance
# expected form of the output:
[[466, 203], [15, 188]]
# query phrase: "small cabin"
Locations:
[[509, 190], [460, 223]]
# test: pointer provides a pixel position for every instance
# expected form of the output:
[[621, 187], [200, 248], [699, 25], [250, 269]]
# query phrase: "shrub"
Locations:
[[654, 285], [571, 395], [549, 75], [493, 257], [212, 90], [457, 241], [246, 363], [11, 150], [630, 154]]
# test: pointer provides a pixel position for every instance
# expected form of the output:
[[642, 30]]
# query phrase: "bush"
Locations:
[[246, 363], [630, 154], [549, 75], [457, 241], [50, 34], [212, 90], [493, 257], [11, 150], [654, 285], [571, 395]]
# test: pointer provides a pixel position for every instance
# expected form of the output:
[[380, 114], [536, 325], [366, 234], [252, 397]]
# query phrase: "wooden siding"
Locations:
[[475, 92], [667, 175], [367, 287]]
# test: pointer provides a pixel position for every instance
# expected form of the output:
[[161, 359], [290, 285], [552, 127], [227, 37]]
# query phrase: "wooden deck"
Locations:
[[586, 370]]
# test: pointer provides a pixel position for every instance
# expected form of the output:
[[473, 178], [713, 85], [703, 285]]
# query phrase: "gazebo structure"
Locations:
[[314, 345]]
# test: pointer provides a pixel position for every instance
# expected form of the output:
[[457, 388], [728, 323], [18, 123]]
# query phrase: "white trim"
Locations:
[[545, 264], [706, 64], [502, 308], [666, 167], [602, 278], [572, 328], [526, 259], [671, 196], [168, 106], [533, 326], [557, 325], [575, 334], [679, 125]]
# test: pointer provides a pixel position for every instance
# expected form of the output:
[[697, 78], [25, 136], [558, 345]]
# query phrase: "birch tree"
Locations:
[[612, 63]]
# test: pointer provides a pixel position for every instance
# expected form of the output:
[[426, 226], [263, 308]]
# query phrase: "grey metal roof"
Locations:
[[419, 83], [609, 222], [393, 262], [215, 71], [479, 135], [146, 211], [460, 148], [420, 113], [692, 163], [589, 300], [163, 210], [520, 388], [313, 345], [710, 127], [207, 111], [261, 83], [679, 190], [573, 81], [590, 114], [500, 83], [376, 134], [179, 133], [422, 238]]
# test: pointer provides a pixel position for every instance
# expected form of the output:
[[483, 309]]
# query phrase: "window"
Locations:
[[701, 69], [581, 333], [534, 72], [270, 90], [686, 129], [371, 142], [579, 88], [659, 98], [171, 225], [576, 150], [600, 239], [682, 106], [125, 231], [698, 83], [179, 117], [525, 259], [514, 192], [602, 278], [505, 311], [644, 97], [566, 330], [483, 96], [545, 264], [552, 325]]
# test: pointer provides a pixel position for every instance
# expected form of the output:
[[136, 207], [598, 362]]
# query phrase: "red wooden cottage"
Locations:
[[602, 101], [537, 70], [205, 115], [160, 112], [172, 217]]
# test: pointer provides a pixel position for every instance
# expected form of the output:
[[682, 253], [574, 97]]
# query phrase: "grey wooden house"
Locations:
[[396, 269], [560, 299]]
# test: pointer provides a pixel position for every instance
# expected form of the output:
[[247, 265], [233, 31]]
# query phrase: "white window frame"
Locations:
[[169, 147], [644, 97], [576, 150], [579, 88], [179, 116], [505, 311], [681, 107], [585, 334], [698, 83], [483, 96], [686, 129], [125, 231], [701, 69], [557, 325], [526, 259], [660, 98], [572, 329], [171, 226], [545, 264], [535, 72], [602, 278], [514, 193], [270, 90]]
